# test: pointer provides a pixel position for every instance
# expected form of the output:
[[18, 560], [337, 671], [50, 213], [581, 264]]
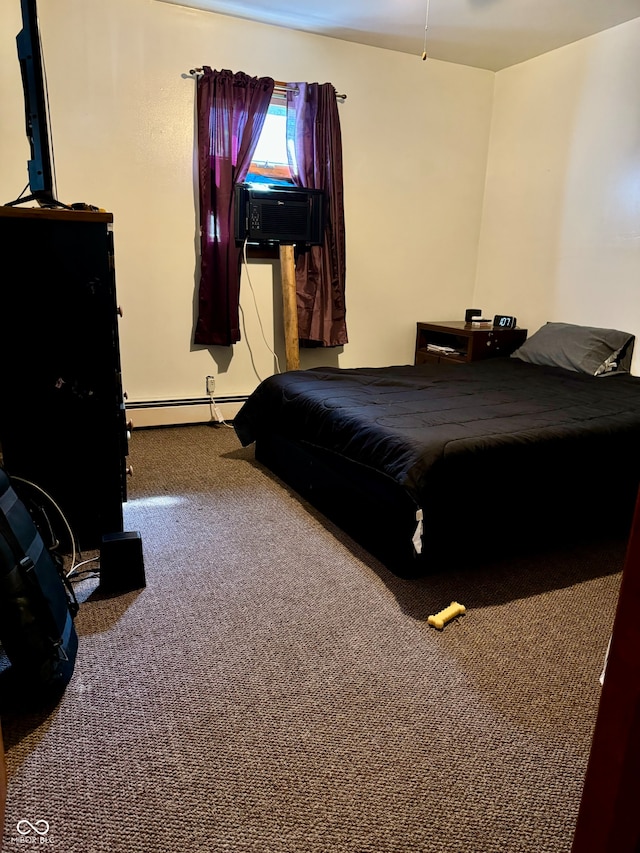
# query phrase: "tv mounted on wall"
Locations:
[[279, 214], [40, 164]]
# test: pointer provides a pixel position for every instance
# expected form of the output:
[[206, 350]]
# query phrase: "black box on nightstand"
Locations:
[[121, 562]]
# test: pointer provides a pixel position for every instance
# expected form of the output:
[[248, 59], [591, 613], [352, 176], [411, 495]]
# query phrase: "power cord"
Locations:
[[76, 575], [75, 550], [216, 414], [255, 302], [72, 538]]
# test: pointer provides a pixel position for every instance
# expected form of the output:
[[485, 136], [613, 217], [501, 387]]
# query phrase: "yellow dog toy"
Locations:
[[439, 620]]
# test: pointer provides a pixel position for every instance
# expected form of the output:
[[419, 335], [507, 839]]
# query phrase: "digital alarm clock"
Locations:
[[504, 321]]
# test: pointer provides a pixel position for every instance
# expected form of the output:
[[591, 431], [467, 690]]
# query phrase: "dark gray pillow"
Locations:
[[585, 349]]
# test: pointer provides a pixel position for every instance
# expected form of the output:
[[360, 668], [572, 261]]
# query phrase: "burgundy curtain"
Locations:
[[314, 145], [231, 113]]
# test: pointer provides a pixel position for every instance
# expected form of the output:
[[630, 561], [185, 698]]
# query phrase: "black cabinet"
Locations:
[[62, 414]]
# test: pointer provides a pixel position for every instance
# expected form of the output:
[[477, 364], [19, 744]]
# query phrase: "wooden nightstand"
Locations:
[[464, 342]]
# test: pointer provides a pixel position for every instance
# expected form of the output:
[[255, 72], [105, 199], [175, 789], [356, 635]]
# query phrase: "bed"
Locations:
[[430, 465]]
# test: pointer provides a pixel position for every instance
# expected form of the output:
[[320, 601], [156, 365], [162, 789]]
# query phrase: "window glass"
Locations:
[[270, 164]]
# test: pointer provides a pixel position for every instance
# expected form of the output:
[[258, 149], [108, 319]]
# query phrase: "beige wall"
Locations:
[[560, 235], [415, 139], [561, 191]]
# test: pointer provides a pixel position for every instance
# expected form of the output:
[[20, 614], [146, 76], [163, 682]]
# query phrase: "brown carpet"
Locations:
[[274, 689]]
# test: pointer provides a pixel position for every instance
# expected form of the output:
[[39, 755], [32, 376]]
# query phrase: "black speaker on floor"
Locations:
[[121, 562]]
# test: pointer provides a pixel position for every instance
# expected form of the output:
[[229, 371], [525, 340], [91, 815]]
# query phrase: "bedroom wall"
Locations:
[[560, 236], [415, 137]]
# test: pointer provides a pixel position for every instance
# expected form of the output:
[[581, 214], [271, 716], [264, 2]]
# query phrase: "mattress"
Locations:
[[490, 448]]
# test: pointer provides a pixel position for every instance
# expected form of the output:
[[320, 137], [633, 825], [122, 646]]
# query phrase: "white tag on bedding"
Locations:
[[417, 536]]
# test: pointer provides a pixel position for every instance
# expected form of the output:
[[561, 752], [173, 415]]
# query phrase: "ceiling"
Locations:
[[490, 34]]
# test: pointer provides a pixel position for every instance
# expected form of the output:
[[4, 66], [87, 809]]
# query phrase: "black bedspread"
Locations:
[[417, 423], [496, 456]]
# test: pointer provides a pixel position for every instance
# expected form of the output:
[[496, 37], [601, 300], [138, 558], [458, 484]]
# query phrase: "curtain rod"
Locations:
[[279, 87]]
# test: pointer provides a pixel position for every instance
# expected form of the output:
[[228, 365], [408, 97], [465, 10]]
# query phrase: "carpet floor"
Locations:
[[274, 689]]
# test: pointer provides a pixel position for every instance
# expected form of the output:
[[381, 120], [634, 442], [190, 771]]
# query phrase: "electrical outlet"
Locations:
[[211, 385]]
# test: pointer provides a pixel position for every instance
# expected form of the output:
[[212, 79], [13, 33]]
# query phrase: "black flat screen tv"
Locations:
[[39, 166]]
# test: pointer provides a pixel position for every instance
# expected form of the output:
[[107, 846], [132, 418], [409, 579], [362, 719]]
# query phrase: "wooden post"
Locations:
[[290, 307]]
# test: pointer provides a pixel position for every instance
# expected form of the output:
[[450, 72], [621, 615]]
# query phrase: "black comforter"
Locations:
[[407, 420], [499, 437]]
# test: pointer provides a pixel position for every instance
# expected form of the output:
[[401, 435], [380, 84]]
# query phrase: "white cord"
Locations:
[[60, 513], [246, 337], [73, 571], [255, 302], [426, 25], [216, 414]]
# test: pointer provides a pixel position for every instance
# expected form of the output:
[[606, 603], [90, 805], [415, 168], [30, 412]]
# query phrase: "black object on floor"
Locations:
[[121, 562]]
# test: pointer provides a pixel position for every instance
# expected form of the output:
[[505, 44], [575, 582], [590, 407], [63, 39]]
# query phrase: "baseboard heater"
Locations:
[[182, 410], [185, 401]]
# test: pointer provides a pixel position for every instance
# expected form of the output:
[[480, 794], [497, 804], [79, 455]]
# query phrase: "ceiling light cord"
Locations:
[[426, 25]]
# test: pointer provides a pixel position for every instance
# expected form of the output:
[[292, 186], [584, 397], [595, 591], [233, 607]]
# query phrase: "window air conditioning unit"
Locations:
[[279, 214]]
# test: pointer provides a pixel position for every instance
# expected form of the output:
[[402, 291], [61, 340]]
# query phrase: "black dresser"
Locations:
[[62, 413]]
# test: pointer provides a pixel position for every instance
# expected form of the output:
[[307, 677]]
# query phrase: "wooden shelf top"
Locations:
[[55, 213], [461, 326]]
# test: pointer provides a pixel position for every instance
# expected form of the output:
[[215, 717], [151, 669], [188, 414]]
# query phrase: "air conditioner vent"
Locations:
[[279, 215]]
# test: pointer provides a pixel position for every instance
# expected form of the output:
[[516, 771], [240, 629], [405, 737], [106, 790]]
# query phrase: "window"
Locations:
[[270, 164]]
